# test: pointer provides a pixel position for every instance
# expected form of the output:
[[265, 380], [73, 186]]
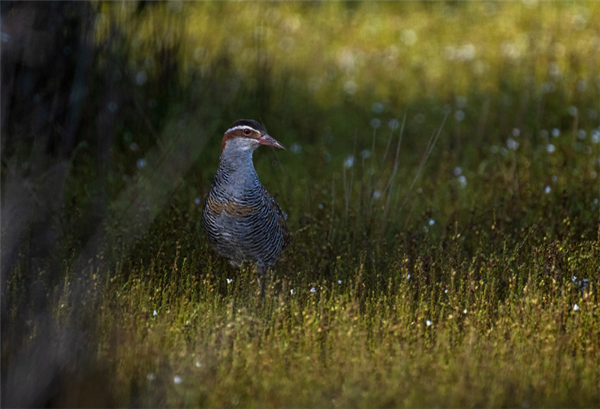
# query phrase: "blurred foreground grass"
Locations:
[[420, 274]]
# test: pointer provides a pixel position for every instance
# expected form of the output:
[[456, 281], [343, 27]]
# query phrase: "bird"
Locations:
[[242, 221]]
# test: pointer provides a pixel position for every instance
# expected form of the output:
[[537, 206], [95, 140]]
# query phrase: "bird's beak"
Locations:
[[265, 139]]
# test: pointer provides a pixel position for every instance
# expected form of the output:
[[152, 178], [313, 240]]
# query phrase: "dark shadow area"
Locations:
[[64, 100]]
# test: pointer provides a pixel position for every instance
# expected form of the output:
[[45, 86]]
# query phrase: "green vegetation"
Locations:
[[441, 182]]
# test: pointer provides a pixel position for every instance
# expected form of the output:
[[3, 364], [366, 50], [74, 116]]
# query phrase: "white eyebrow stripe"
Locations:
[[240, 127]]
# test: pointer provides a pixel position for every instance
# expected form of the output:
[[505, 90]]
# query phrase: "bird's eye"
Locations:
[[246, 131]]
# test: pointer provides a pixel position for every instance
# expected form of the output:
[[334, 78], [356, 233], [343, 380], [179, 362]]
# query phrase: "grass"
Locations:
[[437, 260], [491, 331]]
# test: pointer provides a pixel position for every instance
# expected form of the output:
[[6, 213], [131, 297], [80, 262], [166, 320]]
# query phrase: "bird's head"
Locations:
[[247, 134]]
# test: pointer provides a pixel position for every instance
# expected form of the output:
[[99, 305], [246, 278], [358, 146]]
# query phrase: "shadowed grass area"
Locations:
[[441, 182]]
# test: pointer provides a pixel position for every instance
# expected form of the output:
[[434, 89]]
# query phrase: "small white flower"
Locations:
[[512, 144], [576, 307], [376, 194], [377, 107], [312, 290], [408, 277], [466, 52], [350, 87], [428, 322], [320, 206], [547, 189], [457, 171], [339, 281], [465, 311], [393, 124], [229, 280], [573, 278], [292, 291], [198, 364], [295, 148], [446, 292], [155, 313], [349, 161], [431, 222], [375, 123], [177, 379], [556, 132], [462, 180], [408, 37], [550, 148], [140, 78], [151, 376]]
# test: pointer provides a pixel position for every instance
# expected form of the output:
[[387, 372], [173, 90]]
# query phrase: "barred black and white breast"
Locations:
[[242, 221]]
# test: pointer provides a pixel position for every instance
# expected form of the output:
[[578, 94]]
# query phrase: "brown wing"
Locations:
[[280, 216]]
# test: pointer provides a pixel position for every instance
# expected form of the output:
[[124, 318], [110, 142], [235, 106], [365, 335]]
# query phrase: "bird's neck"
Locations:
[[236, 167], [236, 160]]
